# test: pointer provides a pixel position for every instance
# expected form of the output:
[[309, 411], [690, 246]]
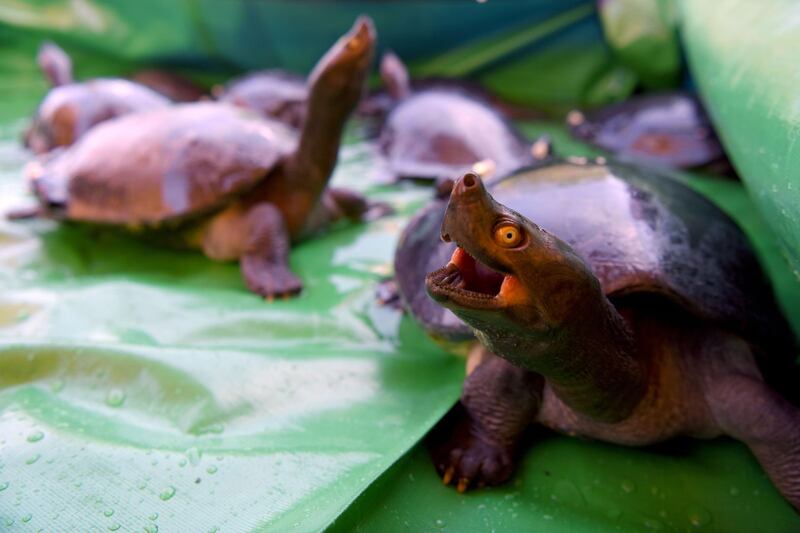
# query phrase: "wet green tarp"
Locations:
[[143, 389], [750, 85]]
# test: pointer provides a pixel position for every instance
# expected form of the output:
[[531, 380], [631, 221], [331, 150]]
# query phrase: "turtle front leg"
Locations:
[[354, 206], [747, 409], [476, 444], [257, 236]]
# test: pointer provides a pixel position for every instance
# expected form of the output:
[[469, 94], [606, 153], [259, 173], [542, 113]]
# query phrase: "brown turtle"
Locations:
[[275, 94], [610, 302], [668, 129], [441, 130], [223, 179], [71, 108]]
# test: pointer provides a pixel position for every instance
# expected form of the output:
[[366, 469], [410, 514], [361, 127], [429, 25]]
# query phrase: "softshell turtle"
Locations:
[[609, 302], [174, 86], [439, 132], [71, 108], [669, 129], [276, 94], [229, 182]]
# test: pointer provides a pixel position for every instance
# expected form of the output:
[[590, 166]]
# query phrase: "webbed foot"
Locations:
[[268, 279], [464, 455]]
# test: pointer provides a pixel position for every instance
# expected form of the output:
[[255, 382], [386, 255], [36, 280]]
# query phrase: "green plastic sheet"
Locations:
[[144, 389], [744, 58]]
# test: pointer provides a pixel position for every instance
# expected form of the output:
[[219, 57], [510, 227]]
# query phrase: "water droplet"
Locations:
[[734, 491], [3, 486], [151, 528], [114, 527], [628, 486], [153, 516], [27, 518], [194, 455], [33, 458], [109, 512], [211, 469], [547, 516], [439, 523], [699, 516], [9, 522], [652, 523], [115, 398], [566, 492], [613, 512], [36, 436], [167, 493], [214, 529]]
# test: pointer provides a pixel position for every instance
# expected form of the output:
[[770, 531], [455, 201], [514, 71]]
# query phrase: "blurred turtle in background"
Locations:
[[442, 130], [668, 129], [275, 94], [72, 108], [220, 178]]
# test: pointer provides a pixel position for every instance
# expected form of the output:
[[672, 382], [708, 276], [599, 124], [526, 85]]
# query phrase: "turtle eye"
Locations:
[[508, 235]]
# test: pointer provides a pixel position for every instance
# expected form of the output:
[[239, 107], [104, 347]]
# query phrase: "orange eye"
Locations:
[[508, 235]]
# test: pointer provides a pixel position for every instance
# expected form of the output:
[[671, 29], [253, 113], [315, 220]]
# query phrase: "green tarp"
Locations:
[[144, 389]]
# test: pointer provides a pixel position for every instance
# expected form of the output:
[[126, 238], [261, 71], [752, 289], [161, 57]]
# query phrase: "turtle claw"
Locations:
[[269, 280], [462, 452], [447, 477]]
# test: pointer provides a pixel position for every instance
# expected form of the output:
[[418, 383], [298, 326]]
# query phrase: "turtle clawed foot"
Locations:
[[376, 210], [468, 460], [388, 294], [269, 280]]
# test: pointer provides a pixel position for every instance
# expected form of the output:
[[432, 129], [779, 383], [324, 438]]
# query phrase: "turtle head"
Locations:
[[510, 280], [338, 77]]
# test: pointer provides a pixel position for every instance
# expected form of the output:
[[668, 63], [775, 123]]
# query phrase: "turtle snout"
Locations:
[[470, 185]]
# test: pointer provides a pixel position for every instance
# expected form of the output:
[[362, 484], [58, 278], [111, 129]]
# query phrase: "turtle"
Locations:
[[276, 94], [441, 130], [71, 108], [669, 129], [174, 86], [603, 300], [215, 177]]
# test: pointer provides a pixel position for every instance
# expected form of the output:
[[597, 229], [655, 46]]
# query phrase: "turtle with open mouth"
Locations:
[[609, 302]]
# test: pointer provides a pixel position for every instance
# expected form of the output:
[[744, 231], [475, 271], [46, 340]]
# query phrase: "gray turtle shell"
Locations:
[[640, 231], [148, 168]]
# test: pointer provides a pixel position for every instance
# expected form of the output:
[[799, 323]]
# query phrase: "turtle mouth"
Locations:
[[467, 282]]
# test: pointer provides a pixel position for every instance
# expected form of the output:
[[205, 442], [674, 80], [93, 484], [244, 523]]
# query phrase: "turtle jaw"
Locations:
[[466, 283]]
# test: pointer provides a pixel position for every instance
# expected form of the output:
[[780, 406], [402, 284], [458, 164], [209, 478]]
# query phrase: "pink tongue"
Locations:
[[487, 280]]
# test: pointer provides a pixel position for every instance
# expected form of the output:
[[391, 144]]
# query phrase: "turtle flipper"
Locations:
[[55, 64], [355, 206], [476, 444], [747, 409], [258, 237]]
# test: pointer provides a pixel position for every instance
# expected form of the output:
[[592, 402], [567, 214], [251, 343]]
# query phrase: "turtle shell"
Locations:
[[670, 129], [148, 168], [442, 132], [640, 231], [271, 93], [69, 111]]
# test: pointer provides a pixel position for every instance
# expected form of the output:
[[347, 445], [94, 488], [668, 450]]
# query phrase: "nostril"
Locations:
[[469, 180], [446, 237]]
